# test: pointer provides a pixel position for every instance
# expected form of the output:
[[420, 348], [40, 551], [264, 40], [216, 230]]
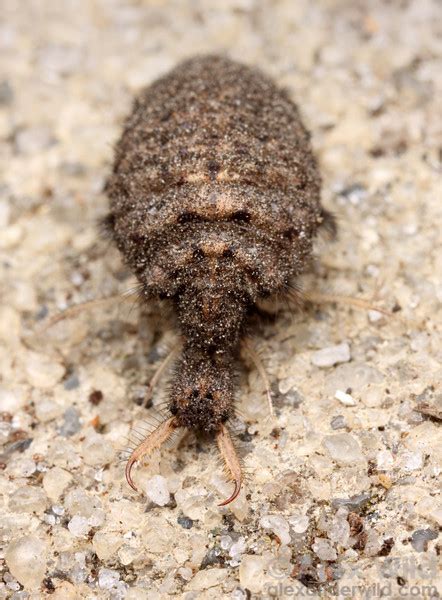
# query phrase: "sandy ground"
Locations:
[[343, 491]]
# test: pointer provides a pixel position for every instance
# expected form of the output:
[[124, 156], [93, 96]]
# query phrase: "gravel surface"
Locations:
[[343, 490]]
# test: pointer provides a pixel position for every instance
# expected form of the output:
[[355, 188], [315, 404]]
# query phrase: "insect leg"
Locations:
[[318, 297], [156, 377], [77, 309], [255, 358]]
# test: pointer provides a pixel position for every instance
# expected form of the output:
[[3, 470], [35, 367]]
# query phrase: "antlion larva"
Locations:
[[214, 204]]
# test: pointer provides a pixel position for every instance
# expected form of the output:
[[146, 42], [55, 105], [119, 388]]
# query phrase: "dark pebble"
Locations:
[[185, 522], [72, 382]]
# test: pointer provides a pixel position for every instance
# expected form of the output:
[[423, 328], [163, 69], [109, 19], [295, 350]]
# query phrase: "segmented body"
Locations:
[[214, 204]]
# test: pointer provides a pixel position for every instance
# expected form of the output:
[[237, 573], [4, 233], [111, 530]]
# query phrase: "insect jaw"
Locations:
[[231, 461], [153, 441], [163, 432]]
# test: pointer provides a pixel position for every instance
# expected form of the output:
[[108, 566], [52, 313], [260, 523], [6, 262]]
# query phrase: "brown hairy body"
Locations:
[[214, 204]]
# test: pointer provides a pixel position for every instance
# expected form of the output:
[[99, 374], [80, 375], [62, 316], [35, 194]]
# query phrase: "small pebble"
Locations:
[[421, 537], [11, 236], [79, 526], [339, 531], [338, 422], [299, 523], [33, 139], [251, 572], [293, 398], [97, 450], [55, 481], [42, 371], [72, 382], [185, 522], [430, 508], [225, 542], [345, 399], [343, 448], [46, 410], [107, 578], [11, 400], [384, 460], [28, 499], [411, 461], [238, 548], [157, 490], [374, 316], [105, 544], [26, 560], [72, 423], [333, 355], [355, 503], [206, 579], [22, 467], [324, 550], [185, 573], [238, 594], [213, 557], [278, 525], [385, 481]]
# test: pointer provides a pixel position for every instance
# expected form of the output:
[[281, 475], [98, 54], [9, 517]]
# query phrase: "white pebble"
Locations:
[[225, 542], [324, 550], [339, 531], [384, 460], [28, 499], [185, 573], [207, 579], [333, 355], [374, 316], [97, 450], [11, 400], [79, 526], [345, 399], [105, 544], [26, 560], [238, 548], [42, 371], [251, 572], [107, 578], [34, 139], [430, 508], [278, 525], [343, 448], [47, 410], [55, 481], [299, 523], [411, 461], [157, 490], [22, 467]]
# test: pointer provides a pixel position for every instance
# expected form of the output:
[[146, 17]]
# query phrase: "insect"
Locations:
[[214, 205]]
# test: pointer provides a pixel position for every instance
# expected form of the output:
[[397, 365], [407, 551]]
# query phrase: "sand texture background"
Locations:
[[343, 489]]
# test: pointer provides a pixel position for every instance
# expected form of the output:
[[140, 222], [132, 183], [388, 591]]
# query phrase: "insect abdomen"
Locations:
[[215, 191]]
